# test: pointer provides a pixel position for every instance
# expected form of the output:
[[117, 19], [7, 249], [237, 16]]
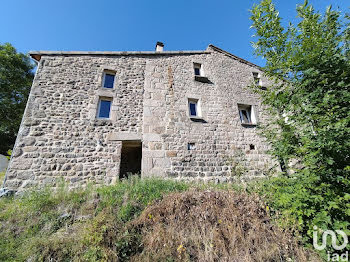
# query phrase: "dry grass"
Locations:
[[142, 220], [213, 226], [2, 175]]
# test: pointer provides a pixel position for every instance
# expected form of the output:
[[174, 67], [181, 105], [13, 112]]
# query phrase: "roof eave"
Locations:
[[37, 54], [215, 48]]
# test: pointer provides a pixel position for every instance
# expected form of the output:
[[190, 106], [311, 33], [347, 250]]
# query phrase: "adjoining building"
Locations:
[[99, 116]]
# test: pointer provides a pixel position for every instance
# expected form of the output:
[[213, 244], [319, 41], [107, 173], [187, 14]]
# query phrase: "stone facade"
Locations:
[[61, 138]]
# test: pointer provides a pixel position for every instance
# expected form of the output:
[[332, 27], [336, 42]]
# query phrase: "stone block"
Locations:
[[153, 153], [23, 164], [123, 136], [171, 153], [151, 137]]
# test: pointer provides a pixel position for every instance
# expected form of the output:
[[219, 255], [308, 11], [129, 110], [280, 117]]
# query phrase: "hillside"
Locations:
[[143, 220]]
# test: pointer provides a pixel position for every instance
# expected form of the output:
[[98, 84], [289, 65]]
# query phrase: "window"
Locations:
[[257, 79], [193, 107], [108, 80], [246, 114], [104, 108], [191, 146], [198, 71]]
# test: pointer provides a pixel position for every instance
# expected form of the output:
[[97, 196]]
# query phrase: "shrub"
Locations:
[[300, 205], [213, 226]]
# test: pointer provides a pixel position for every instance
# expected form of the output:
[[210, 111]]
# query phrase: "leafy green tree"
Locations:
[[308, 64], [16, 77]]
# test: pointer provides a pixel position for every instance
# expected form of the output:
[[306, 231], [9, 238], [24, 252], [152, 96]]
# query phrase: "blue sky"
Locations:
[[125, 25]]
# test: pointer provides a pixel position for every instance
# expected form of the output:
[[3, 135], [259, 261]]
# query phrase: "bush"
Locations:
[[301, 205]]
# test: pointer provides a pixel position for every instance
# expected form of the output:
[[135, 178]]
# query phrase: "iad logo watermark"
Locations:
[[332, 256]]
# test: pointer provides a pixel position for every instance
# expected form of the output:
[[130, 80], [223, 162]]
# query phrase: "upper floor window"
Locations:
[[199, 74], [104, 108], [108, 80], [247, 114], [257, 79], [193, 106], [198, 69]]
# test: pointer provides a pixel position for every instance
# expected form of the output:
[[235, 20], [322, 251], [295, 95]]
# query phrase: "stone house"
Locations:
[[99, 116]]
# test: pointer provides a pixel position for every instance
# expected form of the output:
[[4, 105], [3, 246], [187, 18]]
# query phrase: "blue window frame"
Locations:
[[193, 108], [108, 80], [191, 146], [104, 108], [197, 69]]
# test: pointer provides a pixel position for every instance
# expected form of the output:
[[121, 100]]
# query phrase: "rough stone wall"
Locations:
[[60, 137], [222, 144]]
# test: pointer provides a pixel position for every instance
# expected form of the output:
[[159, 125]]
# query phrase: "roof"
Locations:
[[233, 56], [36, 55]]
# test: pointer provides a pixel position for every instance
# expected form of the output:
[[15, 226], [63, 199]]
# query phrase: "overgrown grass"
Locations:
[[111, 223], [214, 225], [75, 225], [298, 205]]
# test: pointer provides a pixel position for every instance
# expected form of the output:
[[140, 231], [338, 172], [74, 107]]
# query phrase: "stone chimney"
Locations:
[[159, 47]]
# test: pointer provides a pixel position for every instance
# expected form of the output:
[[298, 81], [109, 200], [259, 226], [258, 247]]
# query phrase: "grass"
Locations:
[[75, 225], [141, 220], [2, 176], [213, 225]]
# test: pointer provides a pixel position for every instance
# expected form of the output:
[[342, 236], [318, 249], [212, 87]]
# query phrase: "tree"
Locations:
[[308, 64], [16, 77]]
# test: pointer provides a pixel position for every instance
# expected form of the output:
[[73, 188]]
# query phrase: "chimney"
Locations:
[[159, 47]]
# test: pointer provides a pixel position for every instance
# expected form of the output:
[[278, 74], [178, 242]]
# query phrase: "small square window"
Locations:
[[246, 114], [198, 71], [108, 80], [257, 79], [193, 107], [104, 108], [191, 146]]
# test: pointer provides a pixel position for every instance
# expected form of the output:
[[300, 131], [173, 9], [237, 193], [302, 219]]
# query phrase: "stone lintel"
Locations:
[[124, 136]]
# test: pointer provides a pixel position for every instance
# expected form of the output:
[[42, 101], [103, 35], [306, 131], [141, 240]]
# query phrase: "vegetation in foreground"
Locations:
[[143, 220], [309, 65], [16, 78], [123, 222]]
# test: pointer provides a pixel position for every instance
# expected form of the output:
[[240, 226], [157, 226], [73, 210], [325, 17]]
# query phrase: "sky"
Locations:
[[136, 25]]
